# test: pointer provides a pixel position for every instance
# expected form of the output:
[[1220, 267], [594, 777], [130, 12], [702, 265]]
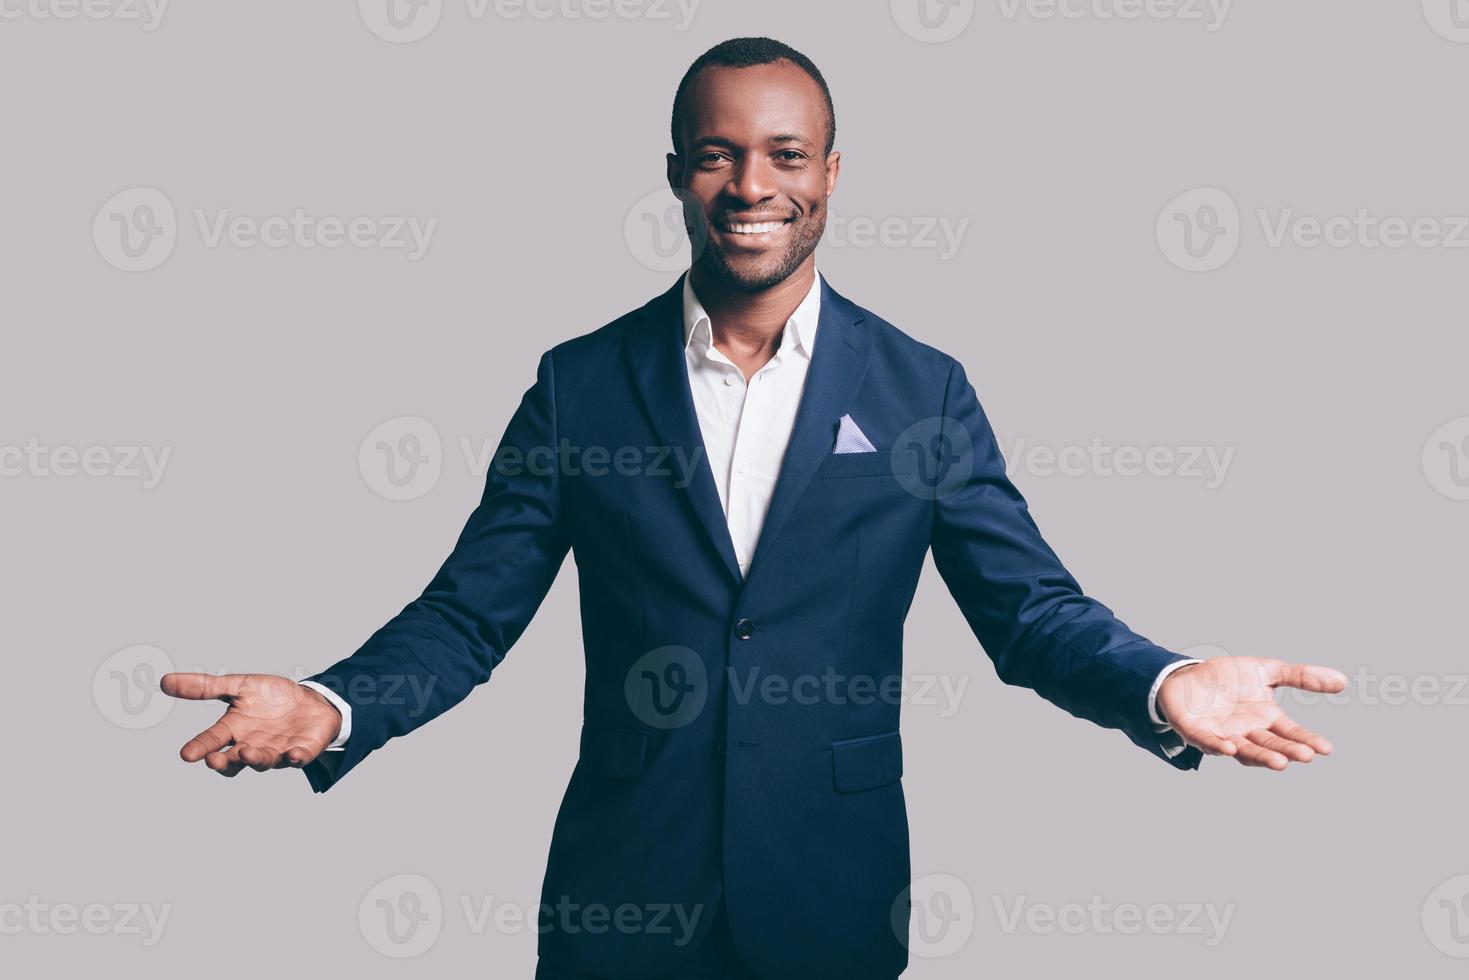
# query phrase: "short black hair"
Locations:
[[745, 52]]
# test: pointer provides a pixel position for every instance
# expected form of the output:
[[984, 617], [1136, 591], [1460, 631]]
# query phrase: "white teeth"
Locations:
[[760, 229]]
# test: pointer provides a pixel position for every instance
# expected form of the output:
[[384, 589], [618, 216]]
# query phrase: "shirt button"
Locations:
[[742, 467], [744, 629], [729, 379]]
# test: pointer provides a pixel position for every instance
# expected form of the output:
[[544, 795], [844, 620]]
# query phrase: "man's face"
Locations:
[[752, 176]]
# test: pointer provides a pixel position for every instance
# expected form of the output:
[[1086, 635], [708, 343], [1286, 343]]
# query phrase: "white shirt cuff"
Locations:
[[1171, 742], [341, 706]]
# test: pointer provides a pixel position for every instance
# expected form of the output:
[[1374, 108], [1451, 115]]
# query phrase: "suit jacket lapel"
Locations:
[[655, 353], [837, 367]]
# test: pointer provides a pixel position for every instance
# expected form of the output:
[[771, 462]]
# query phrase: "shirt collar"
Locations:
[[800, 330]]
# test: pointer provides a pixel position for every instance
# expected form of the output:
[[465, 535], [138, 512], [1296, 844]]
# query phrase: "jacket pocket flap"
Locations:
[[613, 752], [866, 763], [883, 462]]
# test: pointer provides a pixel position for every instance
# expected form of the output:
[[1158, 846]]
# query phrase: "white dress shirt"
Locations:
[[746, 427]]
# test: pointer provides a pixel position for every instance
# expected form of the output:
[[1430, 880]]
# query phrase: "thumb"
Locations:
[[1307, 677], [200, 687]]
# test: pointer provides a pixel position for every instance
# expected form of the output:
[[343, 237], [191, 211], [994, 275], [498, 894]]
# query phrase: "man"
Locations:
[[750, 470]]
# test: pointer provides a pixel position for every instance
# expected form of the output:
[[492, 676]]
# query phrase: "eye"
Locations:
[[787, 155], [706, 159]]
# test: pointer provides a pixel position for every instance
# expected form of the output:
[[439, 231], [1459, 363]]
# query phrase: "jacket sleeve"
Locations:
[[1028, 612], [428, 657]]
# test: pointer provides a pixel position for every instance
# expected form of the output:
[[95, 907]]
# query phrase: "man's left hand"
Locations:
[[1226, 706]]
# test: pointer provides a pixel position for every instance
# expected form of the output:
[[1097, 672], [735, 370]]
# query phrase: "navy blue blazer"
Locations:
[[695, 786]]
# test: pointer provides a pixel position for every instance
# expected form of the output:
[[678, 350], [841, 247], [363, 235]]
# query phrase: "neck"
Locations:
[[747, 327]]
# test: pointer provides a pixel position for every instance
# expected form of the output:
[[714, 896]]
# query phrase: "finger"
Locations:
[[1300, 733], [199, 687], [212, 739], [1290, 749], [1210, 743], [226, 762], [298, 756], [1251, 754], [258, 757], [1307, 677]]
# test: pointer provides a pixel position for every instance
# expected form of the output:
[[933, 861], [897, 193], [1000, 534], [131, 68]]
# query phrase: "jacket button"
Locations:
[[721, 746], [744, 629]]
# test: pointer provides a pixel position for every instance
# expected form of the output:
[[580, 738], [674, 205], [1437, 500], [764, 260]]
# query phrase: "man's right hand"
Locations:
[[272, 722]]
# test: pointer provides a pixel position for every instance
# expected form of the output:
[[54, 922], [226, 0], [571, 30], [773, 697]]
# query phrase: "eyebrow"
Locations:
[[703, 141]]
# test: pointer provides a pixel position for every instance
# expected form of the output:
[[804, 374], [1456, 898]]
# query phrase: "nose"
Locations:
[[753, 180]]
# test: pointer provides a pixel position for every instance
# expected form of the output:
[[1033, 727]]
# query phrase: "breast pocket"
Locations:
[[841, 466]]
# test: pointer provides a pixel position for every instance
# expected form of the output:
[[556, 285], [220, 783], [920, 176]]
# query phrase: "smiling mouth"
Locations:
[[753, 227]]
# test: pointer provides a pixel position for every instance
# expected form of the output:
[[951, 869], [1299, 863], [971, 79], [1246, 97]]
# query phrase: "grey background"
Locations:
[[1060, 142]]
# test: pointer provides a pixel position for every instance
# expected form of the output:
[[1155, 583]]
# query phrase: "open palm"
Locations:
[[1226, 706]]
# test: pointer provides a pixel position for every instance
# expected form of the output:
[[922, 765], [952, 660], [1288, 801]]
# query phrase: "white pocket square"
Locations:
[[850, 438]]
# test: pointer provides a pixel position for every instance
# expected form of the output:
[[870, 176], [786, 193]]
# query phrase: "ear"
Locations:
[[833, 169]]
